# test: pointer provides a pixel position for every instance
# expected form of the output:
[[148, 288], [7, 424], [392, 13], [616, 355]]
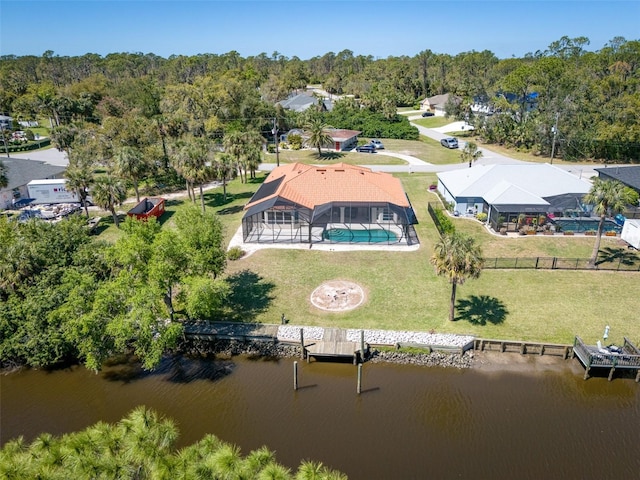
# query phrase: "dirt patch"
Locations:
[[338, 296]]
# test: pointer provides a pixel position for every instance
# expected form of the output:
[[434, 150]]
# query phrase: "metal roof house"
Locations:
[[19, 173], [338, 203], [507, 192], [630, 176], [303, 101]]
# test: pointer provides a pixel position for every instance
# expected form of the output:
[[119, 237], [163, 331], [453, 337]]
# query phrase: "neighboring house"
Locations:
[[19, 173], [435, 104], [303, 101], [341, 139], [530, 101], [6, 123], [310, 204], [509, 194], [629, 176]]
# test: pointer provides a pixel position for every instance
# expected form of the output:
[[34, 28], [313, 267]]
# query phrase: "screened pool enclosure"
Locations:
[[282, 221]]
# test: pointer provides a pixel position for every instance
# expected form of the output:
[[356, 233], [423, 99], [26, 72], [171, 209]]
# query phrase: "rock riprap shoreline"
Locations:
[[288, 337], [379, 337]]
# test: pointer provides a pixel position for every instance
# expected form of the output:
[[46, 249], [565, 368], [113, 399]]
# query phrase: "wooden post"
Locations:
[[361, 345], [359, 389], [541, 349], [523, 348], [295, 376], [302, 342], [638, 375], [613, 368]]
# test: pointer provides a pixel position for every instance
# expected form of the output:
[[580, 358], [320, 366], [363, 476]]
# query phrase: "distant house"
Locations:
[[301, 102], [19, 173], [435, 104], [629, 176], [300, 203], [507, 192], [341, 139], [6, 122]]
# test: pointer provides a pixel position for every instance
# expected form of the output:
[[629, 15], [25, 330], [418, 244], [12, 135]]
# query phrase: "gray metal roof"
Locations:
[[21, 171], [540, 181]]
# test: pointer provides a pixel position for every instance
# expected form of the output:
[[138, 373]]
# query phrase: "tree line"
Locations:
[[577, 103], [66, 296]]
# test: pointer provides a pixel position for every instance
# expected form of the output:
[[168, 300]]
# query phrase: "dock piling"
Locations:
[[295, 375], [359, 388]]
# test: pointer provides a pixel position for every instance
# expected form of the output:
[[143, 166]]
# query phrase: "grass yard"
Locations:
[[432, 122], [403, 292], [310, 157]]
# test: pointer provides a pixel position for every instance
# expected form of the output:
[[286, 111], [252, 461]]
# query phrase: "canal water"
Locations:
[[529, 417]]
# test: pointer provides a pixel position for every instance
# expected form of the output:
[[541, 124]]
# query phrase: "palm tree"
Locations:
[[79, 178], [195, 162], [457, 257], [608, 197], [317, 135], [109, 191], [224, 171], [470, 153], [130, 164], [245, 148]]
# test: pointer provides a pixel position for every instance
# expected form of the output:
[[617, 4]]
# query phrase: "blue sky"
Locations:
[[308, 28]]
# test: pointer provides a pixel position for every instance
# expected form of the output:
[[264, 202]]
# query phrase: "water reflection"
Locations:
[[412, 422]]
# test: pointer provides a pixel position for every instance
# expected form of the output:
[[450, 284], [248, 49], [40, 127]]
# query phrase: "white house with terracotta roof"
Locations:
[[510, 193], [337, 203], [341, 139]]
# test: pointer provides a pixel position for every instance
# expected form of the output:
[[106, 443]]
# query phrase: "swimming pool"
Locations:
[[344, 235], [585, 225]]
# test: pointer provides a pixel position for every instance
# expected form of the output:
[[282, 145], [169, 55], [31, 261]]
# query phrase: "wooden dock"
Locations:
[[593, 357], [333, 345]]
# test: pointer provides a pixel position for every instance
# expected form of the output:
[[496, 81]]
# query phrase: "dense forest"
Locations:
[[588, 100]]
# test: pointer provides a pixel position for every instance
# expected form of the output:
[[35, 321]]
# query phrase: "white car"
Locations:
[[376, 143]]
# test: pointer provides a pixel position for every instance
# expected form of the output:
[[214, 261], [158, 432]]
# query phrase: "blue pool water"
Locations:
[[344, 235], [585, 225]]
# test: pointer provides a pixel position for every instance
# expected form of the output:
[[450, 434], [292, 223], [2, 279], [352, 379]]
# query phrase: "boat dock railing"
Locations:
[[592, 356]]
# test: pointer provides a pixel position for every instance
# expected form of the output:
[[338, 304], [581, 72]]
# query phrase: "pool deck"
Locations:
[[251, 248]]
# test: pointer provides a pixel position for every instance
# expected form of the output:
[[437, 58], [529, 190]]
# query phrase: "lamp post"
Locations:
[[275, 138]]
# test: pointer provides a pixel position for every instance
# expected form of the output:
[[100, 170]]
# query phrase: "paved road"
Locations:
[[414, 165], [51, 156]]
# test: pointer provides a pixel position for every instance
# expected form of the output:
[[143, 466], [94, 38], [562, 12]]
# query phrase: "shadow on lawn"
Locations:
[[481, 310], [621, 255], [250, 295]]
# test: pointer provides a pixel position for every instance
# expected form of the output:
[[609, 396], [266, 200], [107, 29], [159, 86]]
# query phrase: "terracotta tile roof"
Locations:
[[310, 185]]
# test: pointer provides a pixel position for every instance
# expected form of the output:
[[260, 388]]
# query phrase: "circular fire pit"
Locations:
[[337, 296]]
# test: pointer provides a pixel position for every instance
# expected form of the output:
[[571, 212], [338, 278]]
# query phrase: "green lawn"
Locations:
[[352, 158], [403, 292], [433, 122]]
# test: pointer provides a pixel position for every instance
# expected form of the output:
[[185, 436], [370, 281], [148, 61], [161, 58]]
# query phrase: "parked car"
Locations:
[[377, 144], [427, 114], [366, 149], [449, 142]]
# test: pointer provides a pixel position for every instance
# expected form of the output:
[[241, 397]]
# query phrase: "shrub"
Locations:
[[446, 225], [235, 253], [482, 217], [295, 141]]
